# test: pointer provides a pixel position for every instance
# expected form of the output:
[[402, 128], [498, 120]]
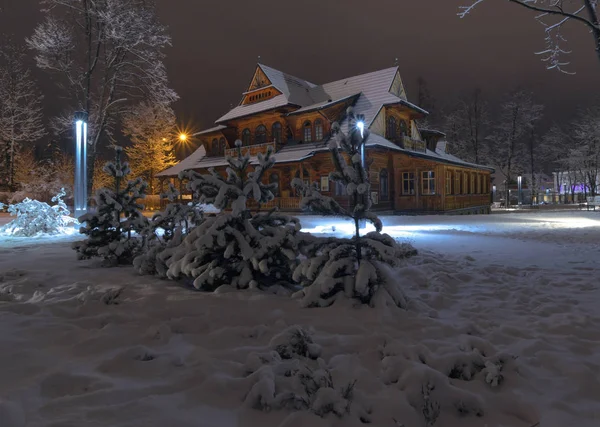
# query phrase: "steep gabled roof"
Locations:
[[213, 129], [296, 90], [188, 163]]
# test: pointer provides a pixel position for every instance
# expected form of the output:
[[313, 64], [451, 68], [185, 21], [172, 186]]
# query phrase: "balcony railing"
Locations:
[[414, 145], [252, 149]]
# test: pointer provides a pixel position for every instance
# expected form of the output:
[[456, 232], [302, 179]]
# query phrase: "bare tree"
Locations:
[[518, 115], [466, 127], [151, 129], [586, 134], [20, 108], [553, 15], [109, 55]]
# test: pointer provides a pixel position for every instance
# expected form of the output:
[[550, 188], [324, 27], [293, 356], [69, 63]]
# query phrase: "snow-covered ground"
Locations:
[[86, 346]]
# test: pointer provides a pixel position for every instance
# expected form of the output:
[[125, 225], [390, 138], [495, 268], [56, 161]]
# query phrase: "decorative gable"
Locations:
[[397, 87], [259, 80]]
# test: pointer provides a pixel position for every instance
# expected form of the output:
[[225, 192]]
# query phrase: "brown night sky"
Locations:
[[216, 44]]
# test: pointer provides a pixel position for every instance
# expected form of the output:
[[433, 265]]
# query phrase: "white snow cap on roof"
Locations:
[[188, 163]]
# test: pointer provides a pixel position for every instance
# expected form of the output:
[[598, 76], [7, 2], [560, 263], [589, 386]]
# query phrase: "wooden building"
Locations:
[[409, 168]]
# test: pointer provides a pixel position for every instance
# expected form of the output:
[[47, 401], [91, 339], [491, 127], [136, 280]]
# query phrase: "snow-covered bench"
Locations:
[[593, 201]]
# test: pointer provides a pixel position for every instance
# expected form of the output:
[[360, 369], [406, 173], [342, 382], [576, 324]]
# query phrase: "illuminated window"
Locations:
[[391, 128], [465, 187], [428, 182], [408, 183], [318, 130], [448, 183], [246, 137], [260, 136], [276, 132], [324, 183], [383, 184], [307, 132], [472, 186]]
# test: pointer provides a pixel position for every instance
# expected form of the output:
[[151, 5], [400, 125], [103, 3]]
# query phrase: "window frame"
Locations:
[[324, 183], [260, 137], [307, 127], [384, 195], [277, 132], [246, 137], [403, 128], [391, 125], [457, 181], [448, 183], [430, 180], [406, 178], [318, 130]]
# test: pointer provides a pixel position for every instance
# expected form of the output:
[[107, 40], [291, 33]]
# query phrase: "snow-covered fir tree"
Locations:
[[116, 218], [357, 267], [34, 217], [240, 247], [165, 231]]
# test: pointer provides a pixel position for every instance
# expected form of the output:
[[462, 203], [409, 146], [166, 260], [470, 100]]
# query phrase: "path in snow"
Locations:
[[522, 285]]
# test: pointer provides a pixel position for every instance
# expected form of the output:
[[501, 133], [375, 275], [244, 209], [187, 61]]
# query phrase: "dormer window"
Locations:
[[403, 128], [214, 147], [390, 132], [307, 131], [222, 146], [318, 130]]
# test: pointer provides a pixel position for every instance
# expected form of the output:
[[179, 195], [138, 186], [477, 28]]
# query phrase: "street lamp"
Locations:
[[493, 193], [360, 125], [80, 187], [183, 137], [520, 182]]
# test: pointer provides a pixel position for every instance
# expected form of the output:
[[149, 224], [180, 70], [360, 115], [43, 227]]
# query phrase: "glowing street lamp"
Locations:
[[80, 187], [519, 182], [183, 137]]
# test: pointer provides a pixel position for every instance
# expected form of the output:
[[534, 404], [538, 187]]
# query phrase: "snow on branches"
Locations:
[[238, 248], [118, 215], [357, 267], [34, 217]]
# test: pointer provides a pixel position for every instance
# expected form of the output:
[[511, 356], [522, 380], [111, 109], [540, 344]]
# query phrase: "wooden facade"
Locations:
[[407, 174]]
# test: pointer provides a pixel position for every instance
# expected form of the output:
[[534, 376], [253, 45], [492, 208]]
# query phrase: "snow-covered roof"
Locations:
[[189, 162], [213, 129], [323, 104], [373, 90]]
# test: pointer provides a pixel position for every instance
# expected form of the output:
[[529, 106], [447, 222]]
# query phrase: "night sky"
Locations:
[[216, 44]]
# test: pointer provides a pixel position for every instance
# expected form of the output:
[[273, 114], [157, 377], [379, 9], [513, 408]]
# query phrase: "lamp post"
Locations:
[[80, 187], [493, 193], [520, 187], [360, 125]]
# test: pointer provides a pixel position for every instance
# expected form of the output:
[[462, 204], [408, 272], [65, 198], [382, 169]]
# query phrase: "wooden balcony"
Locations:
[[252, 149], [283, 203], [414, 144]]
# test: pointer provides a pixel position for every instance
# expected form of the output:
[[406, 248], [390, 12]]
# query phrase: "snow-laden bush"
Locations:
[[165, 232], [356, 267], [238, 248], [111, 229], [34, 217]]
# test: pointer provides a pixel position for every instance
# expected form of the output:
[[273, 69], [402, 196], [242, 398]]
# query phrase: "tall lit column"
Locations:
[[520, 183], [80, 189]]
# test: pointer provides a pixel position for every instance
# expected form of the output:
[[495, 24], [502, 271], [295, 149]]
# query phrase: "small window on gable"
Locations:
[[318, 130], [246, 137], [307, 132]]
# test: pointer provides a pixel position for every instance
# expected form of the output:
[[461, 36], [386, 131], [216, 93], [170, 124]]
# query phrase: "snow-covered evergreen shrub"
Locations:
[[240, 247], [111, 228], [34, 217], [357, 267], [165, 231]]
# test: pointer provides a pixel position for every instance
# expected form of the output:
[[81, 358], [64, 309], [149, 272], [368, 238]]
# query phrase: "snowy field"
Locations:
[[86, 346]]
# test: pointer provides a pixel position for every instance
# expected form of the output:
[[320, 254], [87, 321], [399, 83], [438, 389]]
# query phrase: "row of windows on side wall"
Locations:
[[307, 131], [478, 184]]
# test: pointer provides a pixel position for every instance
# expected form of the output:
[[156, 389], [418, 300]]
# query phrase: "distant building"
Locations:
[[573, 186], [409, 168]]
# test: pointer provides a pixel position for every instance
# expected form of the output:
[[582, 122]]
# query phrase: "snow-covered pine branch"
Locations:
[[117, 217], [359, 267], [165, 232], [553, 14], [239, 248]]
